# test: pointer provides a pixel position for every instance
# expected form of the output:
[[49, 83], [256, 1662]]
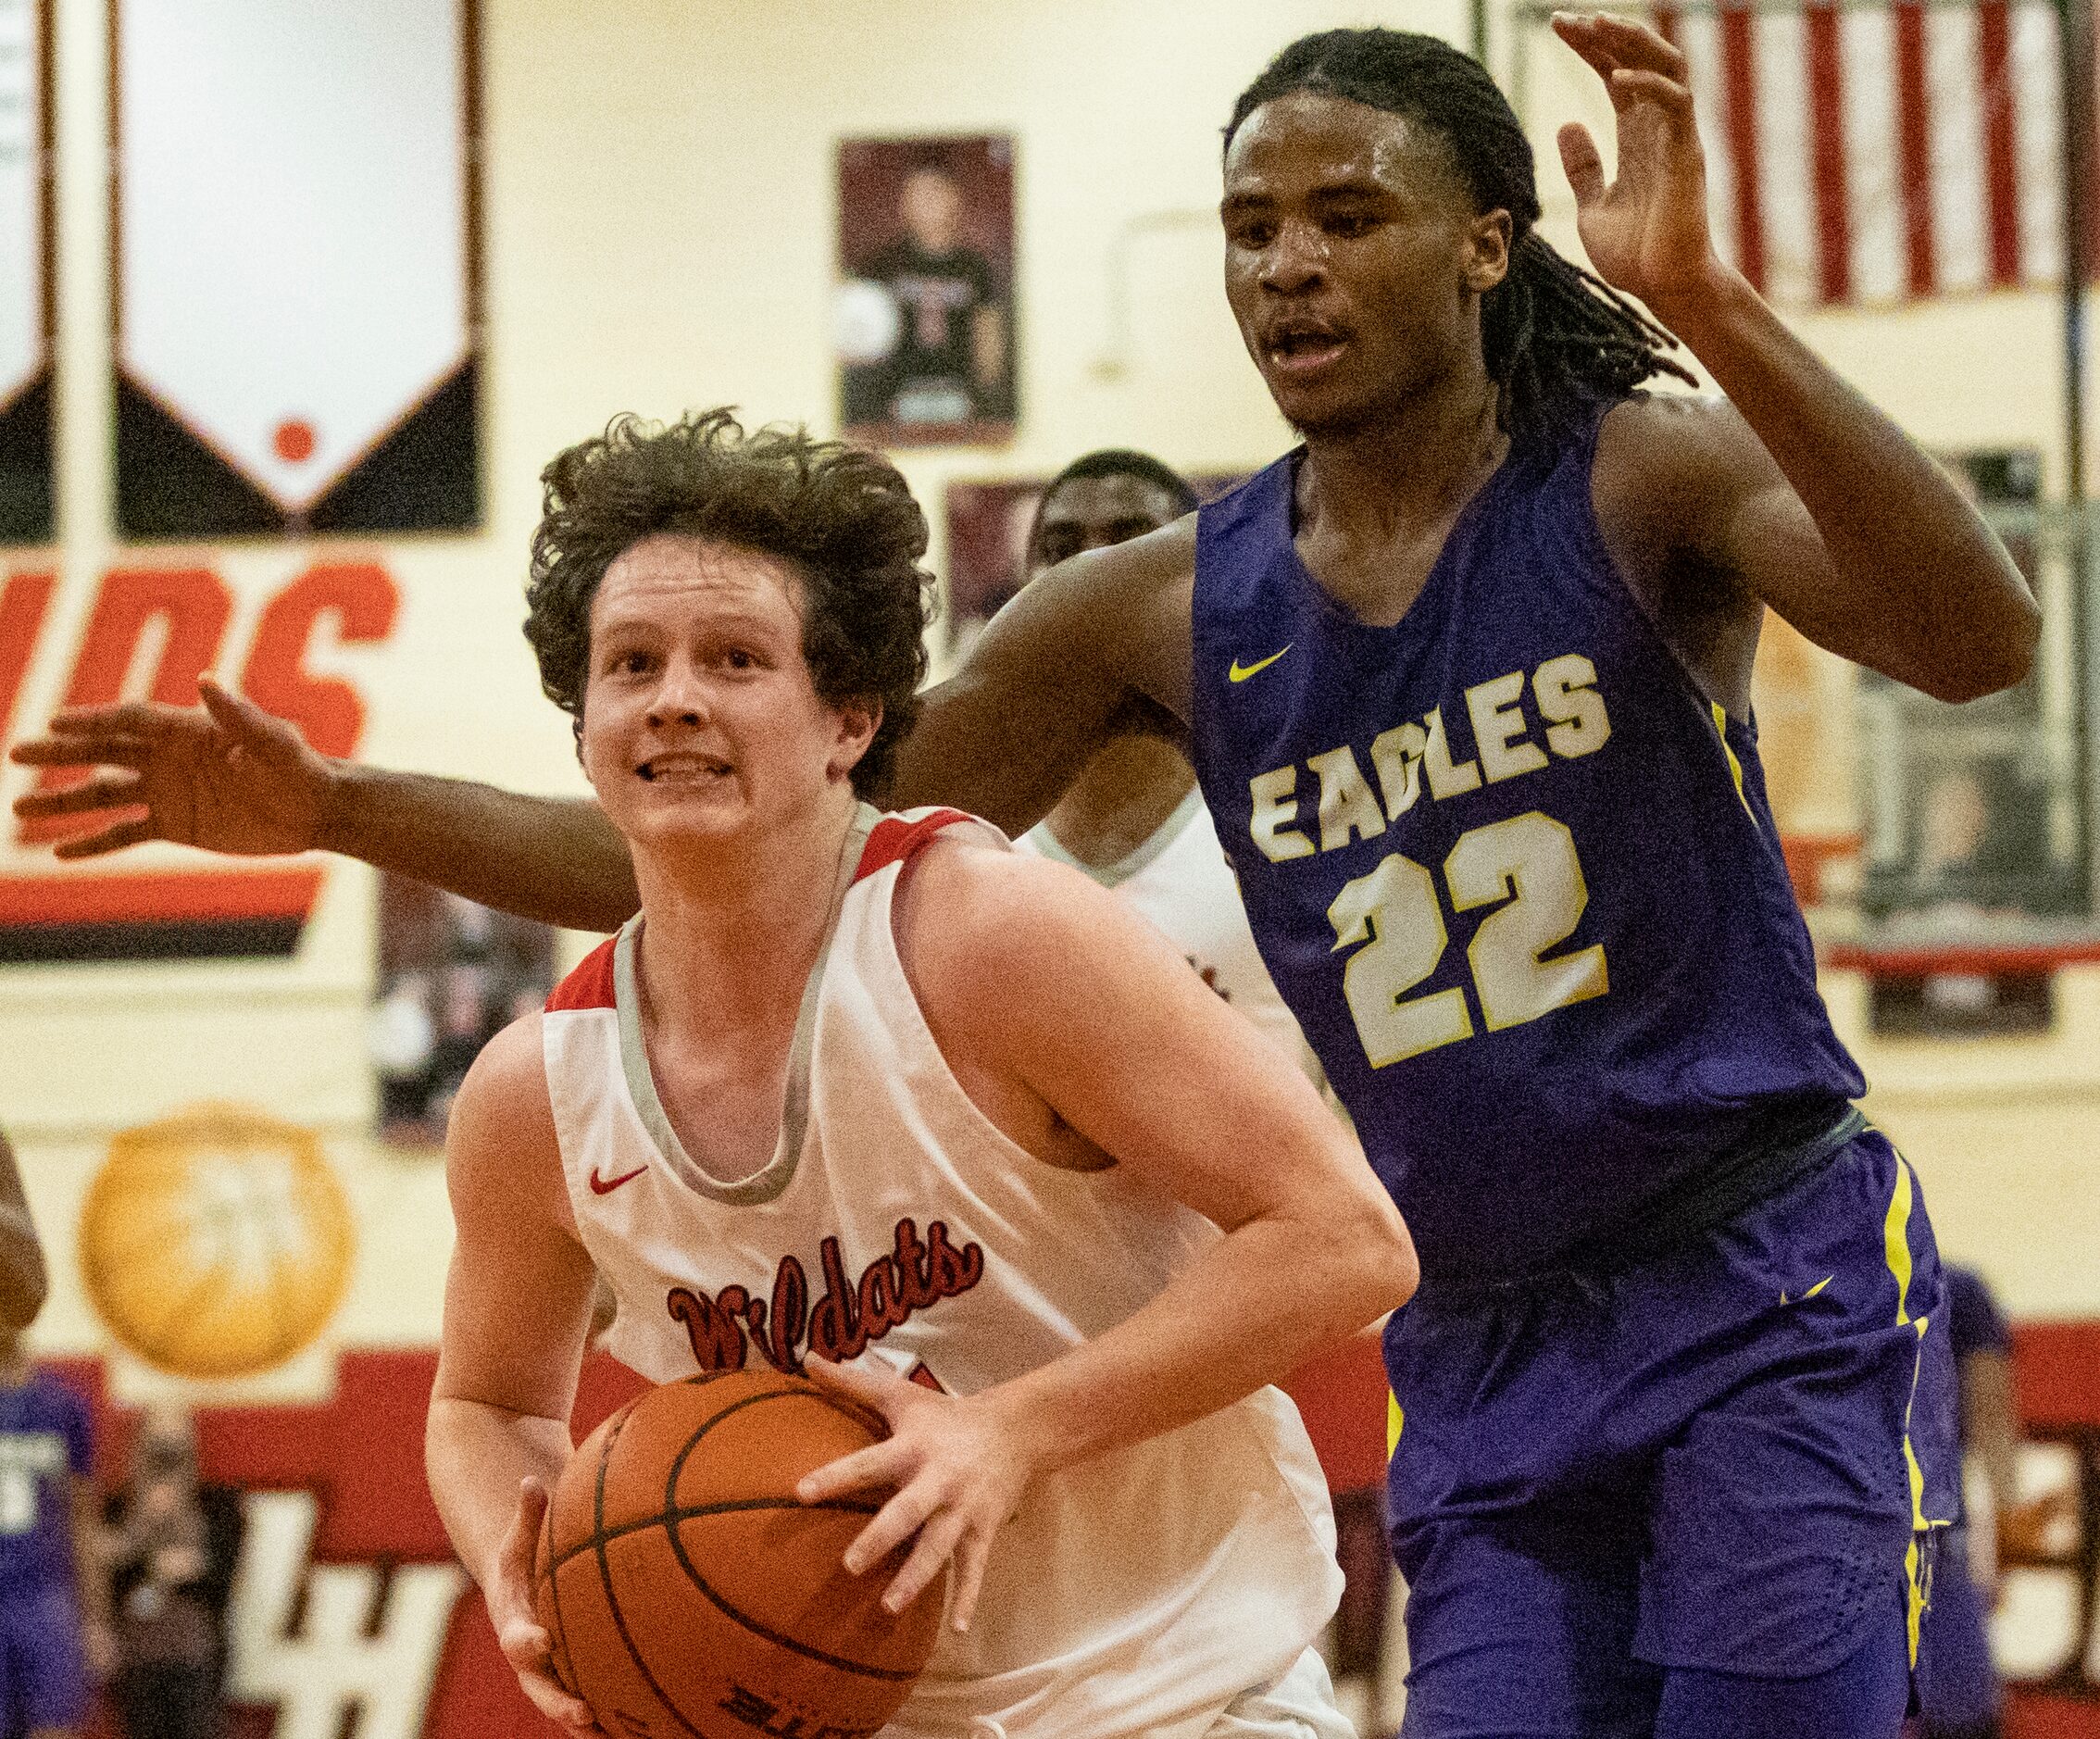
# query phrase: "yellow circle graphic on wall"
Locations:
[[217, 1242]]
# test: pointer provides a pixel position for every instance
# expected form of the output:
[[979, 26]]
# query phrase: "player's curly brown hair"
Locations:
[[841, 518]]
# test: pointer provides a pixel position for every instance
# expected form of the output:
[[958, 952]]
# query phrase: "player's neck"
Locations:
[[15, 1368], [1412, 465], [1124, 797], [729, 939]]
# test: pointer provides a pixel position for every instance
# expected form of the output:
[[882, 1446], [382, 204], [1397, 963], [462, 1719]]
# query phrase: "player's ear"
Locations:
[[858, 722], [1485, 261]]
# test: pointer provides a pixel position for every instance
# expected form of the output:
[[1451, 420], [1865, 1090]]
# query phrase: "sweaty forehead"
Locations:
[[697, 570], [1308, 138]]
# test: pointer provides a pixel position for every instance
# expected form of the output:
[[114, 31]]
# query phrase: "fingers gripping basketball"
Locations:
[[688, 1592]]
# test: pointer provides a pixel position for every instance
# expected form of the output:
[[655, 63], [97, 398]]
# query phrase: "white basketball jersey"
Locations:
[[1179, 881], [1134, 1594]]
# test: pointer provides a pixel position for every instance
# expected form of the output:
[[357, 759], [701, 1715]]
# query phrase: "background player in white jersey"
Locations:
[[1008, 1099], [1133, 820]]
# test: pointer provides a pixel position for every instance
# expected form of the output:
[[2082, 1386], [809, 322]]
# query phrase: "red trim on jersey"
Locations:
[[590, 985], [893, 839]]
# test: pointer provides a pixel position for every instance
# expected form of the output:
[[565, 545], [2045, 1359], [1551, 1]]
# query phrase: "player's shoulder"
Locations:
[[978, 921], [1143, 572], [1164, 557], [1651, 438], [1123, 611], [503, 1106]]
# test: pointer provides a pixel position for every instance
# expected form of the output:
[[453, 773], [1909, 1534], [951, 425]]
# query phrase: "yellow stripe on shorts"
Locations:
[[1896, 1246], [1735, 766]]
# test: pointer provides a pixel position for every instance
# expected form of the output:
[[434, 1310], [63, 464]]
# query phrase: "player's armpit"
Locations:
[[1056, 672]]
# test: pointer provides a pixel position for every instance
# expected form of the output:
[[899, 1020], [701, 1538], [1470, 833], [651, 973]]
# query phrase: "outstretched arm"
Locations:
[[1804, 494], [228, 777], [1097, 646], [23, 1277]]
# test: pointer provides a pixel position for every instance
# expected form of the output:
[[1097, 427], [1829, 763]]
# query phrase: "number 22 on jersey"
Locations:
[[1528, 861]]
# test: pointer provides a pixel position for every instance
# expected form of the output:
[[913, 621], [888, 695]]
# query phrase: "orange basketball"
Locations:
[[688, 1591]]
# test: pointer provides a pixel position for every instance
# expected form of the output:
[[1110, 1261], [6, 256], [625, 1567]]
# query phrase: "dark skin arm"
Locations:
[[228, 777], [1097, 648], [23, 1281], [1796, 493]]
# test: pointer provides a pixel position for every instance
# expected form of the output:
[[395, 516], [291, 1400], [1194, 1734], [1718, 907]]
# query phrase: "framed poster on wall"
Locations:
[[924, 315], [296, 253]]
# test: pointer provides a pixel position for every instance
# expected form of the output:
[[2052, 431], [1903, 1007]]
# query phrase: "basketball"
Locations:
[[215, 1242], [688, 1591]]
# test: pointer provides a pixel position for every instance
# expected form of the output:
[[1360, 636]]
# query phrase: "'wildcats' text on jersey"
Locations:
[[1514, 874], [850, 1316]]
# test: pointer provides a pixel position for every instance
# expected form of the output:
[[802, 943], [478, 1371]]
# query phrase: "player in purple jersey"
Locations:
[[53, 1607], [1675, 1417]]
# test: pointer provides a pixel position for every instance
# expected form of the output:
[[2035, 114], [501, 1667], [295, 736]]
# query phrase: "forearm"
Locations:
[[23, 1280], [555, 859], [1221, 1329], [476, 1456], [1907, 548], [1991, 1423]]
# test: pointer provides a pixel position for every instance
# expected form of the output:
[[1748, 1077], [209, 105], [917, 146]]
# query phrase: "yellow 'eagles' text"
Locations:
[[1411, 755]]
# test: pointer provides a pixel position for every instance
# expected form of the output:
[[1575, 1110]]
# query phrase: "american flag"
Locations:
[[1881, 152]]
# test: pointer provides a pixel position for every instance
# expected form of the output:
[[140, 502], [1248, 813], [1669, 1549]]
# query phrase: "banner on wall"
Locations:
[[294, 240], [28, 303], [148, 633]]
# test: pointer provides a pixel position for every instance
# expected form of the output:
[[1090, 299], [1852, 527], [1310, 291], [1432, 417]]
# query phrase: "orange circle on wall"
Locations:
[[217, 1242], [293, 440]]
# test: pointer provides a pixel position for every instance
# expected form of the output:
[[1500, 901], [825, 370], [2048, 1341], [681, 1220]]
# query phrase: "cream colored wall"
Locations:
[[659, 234]]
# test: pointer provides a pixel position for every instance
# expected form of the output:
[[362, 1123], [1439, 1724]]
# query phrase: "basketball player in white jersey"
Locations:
[[1133, 820], [881, 1092]]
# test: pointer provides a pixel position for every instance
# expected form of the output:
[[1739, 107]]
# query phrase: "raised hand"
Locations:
[[226, 776], [1646, 231], [958, 1471], [523, 1639]]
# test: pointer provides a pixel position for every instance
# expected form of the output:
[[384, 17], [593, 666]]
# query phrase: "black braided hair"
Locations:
[[1127, 462], [1556, 340]]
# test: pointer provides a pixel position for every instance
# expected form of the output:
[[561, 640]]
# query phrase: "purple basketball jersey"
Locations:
[[1516, 876], [45, 1440]]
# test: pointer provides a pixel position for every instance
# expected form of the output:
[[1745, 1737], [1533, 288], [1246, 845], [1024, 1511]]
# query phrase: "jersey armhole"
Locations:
[[897, 947]]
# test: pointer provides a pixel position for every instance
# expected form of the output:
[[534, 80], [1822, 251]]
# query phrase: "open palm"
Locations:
[[226, 776], [1645, 231]]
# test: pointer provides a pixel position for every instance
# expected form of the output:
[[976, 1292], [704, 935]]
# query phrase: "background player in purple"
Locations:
[[1957, 1685], [53, 1604], [1466, 684]]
